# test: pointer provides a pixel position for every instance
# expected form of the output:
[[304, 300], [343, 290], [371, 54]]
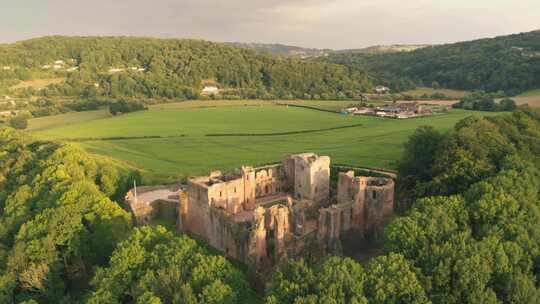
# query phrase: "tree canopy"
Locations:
[[471, 235], [59, 228], [172, 68], [154, 266], [507, 63]]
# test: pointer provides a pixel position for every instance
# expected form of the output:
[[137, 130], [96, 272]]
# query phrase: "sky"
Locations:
[[335, 24]]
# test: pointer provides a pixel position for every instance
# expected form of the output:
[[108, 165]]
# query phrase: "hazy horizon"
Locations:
[[331, 24]]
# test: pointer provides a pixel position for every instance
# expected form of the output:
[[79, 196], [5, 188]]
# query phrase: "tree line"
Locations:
[[507, 63], [471, 234], [480, 101], [172, 68], [64, 238]]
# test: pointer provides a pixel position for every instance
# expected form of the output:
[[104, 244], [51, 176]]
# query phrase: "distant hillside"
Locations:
[[509, 63], [380, 49], [169, 68], [296, 51], [281, 49]]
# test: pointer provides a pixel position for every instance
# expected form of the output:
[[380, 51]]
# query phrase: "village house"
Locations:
[[401, 110], [5, 114], [382, 89], [137, 69], [259, 215], [364, 111], [115, 70], [8, 114], [210, 90]]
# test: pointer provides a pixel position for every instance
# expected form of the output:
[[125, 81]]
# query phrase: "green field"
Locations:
[[65, 119], [430, 91], [183, 147], [331, 105], [530, 93]]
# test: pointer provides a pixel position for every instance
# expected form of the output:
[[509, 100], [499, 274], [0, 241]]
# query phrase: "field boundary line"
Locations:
[[307, 107], [112, 138], [282, 133]]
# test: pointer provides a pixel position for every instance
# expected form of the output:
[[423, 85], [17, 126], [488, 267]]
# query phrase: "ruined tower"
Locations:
[[310, 175]]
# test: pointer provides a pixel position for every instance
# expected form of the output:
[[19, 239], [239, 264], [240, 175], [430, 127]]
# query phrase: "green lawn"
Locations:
[[376, 143]]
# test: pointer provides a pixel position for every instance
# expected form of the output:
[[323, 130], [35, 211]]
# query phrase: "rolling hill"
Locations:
[[297, 51], [169, 68], [507, 63], [282, 49]]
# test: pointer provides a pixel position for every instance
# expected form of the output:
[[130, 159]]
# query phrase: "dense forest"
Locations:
[[63, 239], [471, 234], [507, 63], [170, 68]]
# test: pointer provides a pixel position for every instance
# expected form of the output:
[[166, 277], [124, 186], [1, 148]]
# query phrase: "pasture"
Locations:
[[430, 91], [168, 143], [47, 122], [532, 98], [530, 93], [37, 84]]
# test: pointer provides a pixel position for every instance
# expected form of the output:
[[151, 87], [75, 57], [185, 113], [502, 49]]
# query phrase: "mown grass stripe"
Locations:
[[283, 133]]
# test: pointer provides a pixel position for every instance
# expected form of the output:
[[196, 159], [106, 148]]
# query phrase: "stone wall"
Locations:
[[268, 239], [149, 202], [261, 215], [311, 176], [333, 221], [269, 180], [362, 203]]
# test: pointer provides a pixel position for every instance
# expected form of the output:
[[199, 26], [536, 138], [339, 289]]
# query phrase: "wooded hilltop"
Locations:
[[170, 68]]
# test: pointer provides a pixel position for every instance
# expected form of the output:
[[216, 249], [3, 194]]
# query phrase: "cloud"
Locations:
[[312, 23]]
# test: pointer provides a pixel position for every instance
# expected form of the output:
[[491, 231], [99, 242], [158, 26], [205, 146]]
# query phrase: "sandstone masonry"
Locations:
[[260, 215]]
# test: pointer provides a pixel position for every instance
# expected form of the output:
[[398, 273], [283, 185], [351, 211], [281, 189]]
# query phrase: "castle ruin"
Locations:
[[261, 215]]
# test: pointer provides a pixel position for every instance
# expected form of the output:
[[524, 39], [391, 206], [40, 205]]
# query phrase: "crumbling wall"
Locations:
[[239, 215], [379, 203], [249, 182], [311, 177], [257, 253], [268, 239], [269, 181], [215, 226], [333, 221], [345, 191], [140, 210], [166, 209], [289, 173], [372, 198], [196, 209], [228, 195], [147, 204]]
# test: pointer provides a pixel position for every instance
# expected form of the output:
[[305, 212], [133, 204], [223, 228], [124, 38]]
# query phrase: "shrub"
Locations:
[[124, 106], [18, 122]]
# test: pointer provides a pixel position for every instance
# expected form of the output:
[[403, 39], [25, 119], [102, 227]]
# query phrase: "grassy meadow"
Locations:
[[48, 122], [430, 91], [530, 93], [177, 142], [532, 98]]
